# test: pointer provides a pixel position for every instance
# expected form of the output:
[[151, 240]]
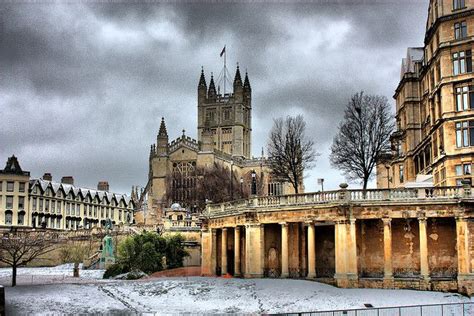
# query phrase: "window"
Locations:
[[8, 217], [21, 202], [458, 4], [10, 186], [458, 169], [400, 173], [9, 202], [460, 30], [465, 134], [275, 188], [226, 114], [462, 62], [21, 218], [464, 98], [466, 168], [34, 203], [1, 186], [46, 205], [211, 115]]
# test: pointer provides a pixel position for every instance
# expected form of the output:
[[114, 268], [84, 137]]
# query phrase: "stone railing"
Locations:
[[340, 196]]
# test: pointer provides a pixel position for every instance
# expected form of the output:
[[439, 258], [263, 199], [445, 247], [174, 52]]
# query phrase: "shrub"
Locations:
[[114, 270]]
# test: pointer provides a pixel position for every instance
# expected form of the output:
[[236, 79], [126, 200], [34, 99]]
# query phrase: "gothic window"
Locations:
[[184, 182], [211, 115], [226, 114]]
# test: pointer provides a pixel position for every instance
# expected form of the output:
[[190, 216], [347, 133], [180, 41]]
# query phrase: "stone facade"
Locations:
[[399, 238], [224, 138], [26, 202], [435, 103]]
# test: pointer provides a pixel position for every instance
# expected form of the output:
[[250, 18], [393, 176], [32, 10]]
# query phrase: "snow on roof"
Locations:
[[67, 188]]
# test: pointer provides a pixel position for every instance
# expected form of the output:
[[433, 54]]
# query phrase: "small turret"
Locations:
[[238, 89], [247, 91], [211, 94], [162, 139], [202, 88]]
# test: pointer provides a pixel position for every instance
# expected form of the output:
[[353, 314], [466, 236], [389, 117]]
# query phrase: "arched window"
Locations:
[[8, 217], [21, 218], [184, 182]]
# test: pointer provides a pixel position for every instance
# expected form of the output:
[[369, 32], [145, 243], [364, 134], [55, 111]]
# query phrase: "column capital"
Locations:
[[284, 224], [309, 223], [224, 229], [461, 219], [422, 219], [386, 220]]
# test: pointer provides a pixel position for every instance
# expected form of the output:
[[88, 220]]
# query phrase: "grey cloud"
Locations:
[[92, 80]]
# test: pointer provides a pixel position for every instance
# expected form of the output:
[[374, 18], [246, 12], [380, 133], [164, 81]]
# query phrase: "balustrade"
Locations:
[[339, 196]]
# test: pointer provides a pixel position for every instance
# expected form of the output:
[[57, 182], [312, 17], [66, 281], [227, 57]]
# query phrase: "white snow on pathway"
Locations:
[[44, 275], [207, 295]]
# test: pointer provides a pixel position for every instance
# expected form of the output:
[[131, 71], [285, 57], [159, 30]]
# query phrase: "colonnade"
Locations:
[[251, 260]]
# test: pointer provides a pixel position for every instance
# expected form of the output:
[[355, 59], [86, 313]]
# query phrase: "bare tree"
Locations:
[[290, 151], [363, 137], [18, 248]]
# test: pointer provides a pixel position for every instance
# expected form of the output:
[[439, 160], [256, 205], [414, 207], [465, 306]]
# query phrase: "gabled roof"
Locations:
[[13, 167]]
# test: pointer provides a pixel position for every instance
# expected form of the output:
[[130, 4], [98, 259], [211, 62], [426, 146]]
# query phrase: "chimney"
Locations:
[[67, 180], [103, 186], [47, 176]]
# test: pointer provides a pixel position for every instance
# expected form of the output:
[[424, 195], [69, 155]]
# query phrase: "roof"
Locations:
[[75, 191], [414, 55], [13, 167]]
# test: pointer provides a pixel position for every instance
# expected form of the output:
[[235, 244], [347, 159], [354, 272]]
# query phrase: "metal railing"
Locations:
[[448, 309]]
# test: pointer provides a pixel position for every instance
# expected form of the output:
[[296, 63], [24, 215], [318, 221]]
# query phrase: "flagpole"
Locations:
[[225, 69]]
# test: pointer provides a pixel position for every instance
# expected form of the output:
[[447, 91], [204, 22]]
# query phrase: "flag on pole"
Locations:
[[223, 51]]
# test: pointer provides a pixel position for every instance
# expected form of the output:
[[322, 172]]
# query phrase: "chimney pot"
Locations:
[[103, 186], [67, 180]]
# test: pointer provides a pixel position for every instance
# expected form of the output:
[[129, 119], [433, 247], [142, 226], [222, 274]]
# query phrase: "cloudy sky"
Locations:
[[83, 85]]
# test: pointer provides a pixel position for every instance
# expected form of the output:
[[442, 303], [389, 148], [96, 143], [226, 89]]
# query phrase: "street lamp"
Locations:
[[321, 182], [241, 187], [231, 180], [388, 176], [254, 183]]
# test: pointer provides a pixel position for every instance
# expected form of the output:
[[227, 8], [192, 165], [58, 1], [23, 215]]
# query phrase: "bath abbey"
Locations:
[[415, 230]]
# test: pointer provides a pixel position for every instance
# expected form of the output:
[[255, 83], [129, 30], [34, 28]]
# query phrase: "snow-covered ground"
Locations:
[[207, 295], [59, 274]]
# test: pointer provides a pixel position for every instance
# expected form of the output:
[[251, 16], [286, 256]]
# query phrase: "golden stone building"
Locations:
[[224, 138], [434, 140], [27, 202]]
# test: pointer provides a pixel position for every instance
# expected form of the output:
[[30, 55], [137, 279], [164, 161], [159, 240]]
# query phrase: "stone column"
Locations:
[[424, 267], [340, 253], [224, 252], [213, 251], [237, 271], [465, 278], [284, 250], [206, 252], [351, 255], [387, 252], [311, 252], [462, 245], [254, 250]]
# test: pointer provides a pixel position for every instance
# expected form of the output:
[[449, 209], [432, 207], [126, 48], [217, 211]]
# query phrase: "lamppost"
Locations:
[[321, 182], [231, 180], [254, 183], [388, 176], [241, 187]]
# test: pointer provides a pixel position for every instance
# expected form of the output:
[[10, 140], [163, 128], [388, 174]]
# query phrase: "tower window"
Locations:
[[226, 114]]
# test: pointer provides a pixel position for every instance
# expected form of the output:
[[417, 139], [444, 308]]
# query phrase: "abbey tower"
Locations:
[[227, 115]]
